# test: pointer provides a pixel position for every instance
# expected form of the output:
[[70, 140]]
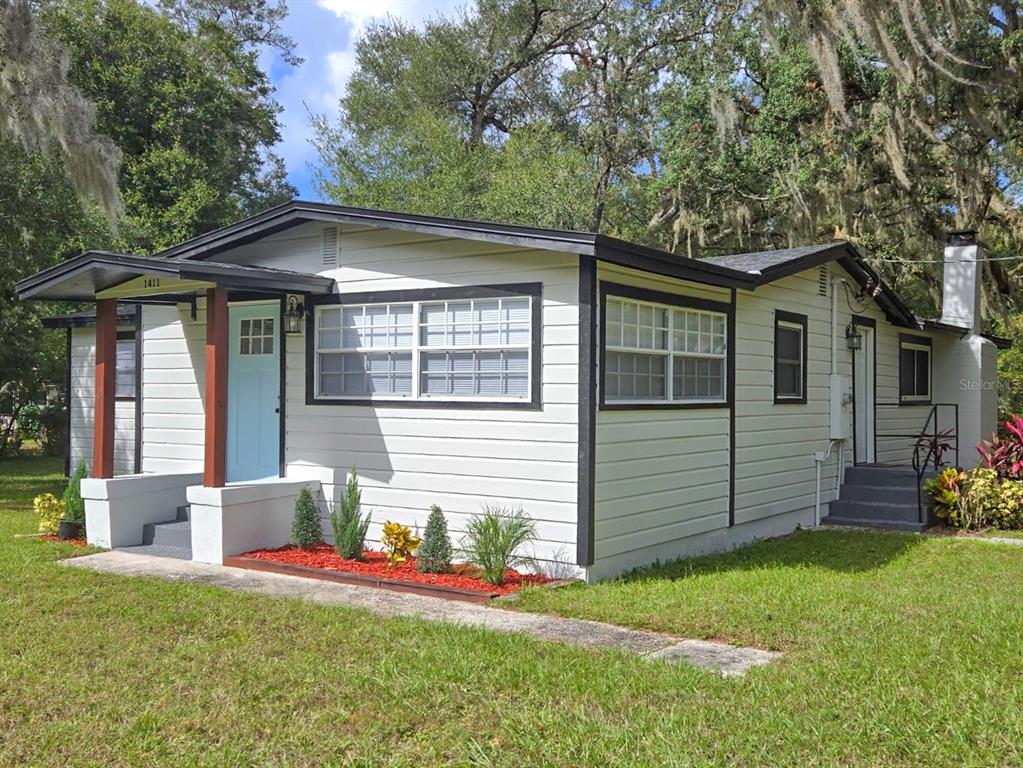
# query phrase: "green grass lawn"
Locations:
[[1000, 534], [900, 650]]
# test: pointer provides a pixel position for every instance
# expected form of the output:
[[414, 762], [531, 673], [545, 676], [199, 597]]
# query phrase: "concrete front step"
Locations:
[[156, 550], [897, 477], [184, 512], [891, 525], [870, 510], [881, 494], [174, 533]]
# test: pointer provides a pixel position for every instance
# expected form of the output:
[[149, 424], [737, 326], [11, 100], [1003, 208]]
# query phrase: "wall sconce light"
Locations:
[[293, 313], [853, 338]]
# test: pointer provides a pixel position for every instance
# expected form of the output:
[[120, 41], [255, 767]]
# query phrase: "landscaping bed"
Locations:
[[323, 562]]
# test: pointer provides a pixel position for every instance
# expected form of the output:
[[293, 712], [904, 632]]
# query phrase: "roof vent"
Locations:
[[330, 246], [822, 280]]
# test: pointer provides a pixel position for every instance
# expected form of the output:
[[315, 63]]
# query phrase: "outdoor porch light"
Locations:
[[293, 314], [853, 338]]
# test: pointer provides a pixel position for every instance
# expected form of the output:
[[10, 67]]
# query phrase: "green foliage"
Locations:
[[74, 506], [347, 522], [50, 511], [493, 541], [305, 525], [435, 552], [976, 499], [399, 543]]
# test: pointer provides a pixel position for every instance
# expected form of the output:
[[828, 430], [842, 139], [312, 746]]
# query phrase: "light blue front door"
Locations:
[[253, 392]]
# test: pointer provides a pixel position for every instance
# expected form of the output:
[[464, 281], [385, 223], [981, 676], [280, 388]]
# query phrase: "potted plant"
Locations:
[[72, 524]]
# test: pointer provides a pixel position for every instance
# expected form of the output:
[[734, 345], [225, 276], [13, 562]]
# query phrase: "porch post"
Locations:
[[106, 379], [215, 463]]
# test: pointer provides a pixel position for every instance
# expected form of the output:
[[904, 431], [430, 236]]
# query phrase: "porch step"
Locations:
[[174, 533], [184, 512], [880, 497], [890, 525]]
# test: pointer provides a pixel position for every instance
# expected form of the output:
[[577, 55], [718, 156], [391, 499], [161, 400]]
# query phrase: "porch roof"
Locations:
[[86, 277]]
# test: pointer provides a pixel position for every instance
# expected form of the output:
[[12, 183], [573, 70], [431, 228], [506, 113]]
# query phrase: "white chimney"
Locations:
[[960, 304]]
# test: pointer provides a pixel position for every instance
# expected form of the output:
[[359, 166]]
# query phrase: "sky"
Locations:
[[325, 32]]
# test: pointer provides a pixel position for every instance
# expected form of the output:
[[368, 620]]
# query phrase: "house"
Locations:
[[637, 405]]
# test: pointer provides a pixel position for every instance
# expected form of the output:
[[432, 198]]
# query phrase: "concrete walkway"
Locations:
[[725, 659]]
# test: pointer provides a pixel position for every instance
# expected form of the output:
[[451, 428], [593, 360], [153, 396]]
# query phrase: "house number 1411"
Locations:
[[150, 282]]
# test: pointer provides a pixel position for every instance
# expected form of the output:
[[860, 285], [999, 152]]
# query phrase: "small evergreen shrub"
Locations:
[[492, 541], [74, 506], [434, 554], [347, 522], [399, 543], [50, 511], [305, 526]]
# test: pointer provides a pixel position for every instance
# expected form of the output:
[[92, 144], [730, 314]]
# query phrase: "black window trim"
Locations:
[[919, 341], [533, 290], [133, 336], [782, 316], [620, 290]]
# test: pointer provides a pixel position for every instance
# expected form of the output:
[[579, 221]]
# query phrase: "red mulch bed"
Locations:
[[326, 557], [72, 542]]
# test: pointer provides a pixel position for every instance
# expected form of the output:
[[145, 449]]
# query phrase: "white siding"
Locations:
[[660, 475], [173, 378], [410, 458], [81, 400]]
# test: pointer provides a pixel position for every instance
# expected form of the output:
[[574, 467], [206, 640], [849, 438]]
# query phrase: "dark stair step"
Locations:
[[888, 477], [890, 525], [872, 510], [883, 494], [184, 512], [174, 533]]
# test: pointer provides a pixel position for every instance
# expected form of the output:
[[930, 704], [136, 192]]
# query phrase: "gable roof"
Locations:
[[81, 278]]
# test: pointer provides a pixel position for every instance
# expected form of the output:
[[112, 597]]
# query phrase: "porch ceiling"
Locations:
[[98, 274]]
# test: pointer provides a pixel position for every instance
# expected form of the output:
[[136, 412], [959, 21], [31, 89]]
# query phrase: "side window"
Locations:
[[124, 387], [914, 369], [790, 345]]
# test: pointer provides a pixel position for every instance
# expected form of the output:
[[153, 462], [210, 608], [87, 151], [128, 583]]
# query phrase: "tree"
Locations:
[[306, 530], [435, 551], [189, 107]]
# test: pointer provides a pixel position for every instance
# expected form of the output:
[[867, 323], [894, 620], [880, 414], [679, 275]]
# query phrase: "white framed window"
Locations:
[[461, 349], [914, 369], [656, 352]]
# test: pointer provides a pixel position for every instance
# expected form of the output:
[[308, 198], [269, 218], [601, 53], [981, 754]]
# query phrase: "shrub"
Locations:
[[493, 539], [996, 502], [948, 491], [305, 526], [435, 553], [399, 543], [1004, 452], [347, 522], [50, 511], [74, 507]]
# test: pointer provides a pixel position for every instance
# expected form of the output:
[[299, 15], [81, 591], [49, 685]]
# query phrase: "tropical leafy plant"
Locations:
[[948, 490], [347, 522], [932, 448], [1004, 452], [493, 540], [305, 526], [399, 543], [50, 511], [996, 502], [74, 506], [435, 553]]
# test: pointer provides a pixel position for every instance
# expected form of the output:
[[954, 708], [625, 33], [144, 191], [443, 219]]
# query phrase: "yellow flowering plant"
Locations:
[[50, 511]]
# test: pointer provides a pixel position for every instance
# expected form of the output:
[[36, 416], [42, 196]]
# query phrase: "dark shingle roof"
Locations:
[[763, 262]]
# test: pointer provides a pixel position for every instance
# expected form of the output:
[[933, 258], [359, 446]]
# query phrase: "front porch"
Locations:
[[239, 378]]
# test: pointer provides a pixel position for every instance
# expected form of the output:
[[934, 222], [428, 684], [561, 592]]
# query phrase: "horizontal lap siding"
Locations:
[[82, 401], [460, 459], [660, 475], [774, 443], [174, 356], [895, 421]]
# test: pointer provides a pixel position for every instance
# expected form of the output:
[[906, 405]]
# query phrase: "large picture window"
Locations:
[[790, 346], [668, 353], [914, 369], [465, 348]]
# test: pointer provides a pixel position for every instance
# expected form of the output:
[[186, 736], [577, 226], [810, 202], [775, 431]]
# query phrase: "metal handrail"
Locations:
[[932, 453]]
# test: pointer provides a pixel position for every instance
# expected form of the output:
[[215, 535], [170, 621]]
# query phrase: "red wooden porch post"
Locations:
[[215, 457], [106, 380]]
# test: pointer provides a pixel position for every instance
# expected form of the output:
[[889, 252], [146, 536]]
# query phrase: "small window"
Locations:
[[657, 352], [790, 346], [256, 336], [914, 369], [124, 386]]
